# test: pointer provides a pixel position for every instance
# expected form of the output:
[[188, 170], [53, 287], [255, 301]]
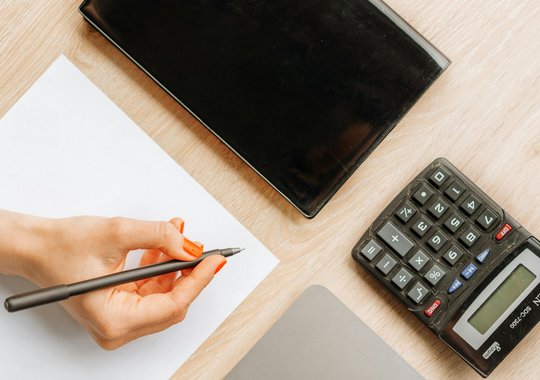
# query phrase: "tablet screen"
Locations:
[[302, 90]]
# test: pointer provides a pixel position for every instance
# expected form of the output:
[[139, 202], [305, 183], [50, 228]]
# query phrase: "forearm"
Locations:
[[20, 239]]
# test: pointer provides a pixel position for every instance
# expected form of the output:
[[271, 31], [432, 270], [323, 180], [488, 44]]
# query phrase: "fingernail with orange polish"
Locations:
[[192, 248], [182, 226], [219, 267]]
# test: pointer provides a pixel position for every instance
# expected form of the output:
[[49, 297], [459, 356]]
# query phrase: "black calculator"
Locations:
[[459, 262]]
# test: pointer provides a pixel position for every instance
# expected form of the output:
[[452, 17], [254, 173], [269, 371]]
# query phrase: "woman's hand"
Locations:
[[51, 252]]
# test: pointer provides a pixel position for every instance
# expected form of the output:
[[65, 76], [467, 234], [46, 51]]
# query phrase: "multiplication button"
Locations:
[[419, 260], [418, 292]]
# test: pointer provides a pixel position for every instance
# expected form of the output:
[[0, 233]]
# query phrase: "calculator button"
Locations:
[[470, 236], [402, 278], [486, 219], [453, 222], [432, 308], [471, 204], [418, 292], [419, 260], [421, 226], [371, 250], [455, 190], [405, 212], [483, 256], [434, 275], [503, 232], [438, 208], [437, 241], [455, 286], [395, 239], [439, 177], [469, 271], [386, 264], [423, 194], [453, 255]]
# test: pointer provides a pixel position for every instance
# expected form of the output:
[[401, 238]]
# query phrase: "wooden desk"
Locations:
[[483, 114]]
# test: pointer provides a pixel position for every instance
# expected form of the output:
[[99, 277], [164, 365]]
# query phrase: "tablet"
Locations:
[[301, 90]]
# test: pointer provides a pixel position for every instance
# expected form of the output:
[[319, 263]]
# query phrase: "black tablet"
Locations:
[[301, 90]]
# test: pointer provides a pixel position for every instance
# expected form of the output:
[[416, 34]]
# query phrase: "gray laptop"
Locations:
[[320, 338]]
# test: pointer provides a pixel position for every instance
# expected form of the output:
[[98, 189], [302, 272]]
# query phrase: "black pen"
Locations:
[[62, 292]]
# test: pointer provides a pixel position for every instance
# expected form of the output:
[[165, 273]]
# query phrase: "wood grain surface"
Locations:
[[483, 114]]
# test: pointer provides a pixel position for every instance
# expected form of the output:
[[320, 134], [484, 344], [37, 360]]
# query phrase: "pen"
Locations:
[[62, 292]]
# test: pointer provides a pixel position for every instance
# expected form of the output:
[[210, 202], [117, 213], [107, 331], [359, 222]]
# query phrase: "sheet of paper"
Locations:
[[66, 149]]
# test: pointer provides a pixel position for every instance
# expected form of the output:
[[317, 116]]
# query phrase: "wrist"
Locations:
[[22, 243]]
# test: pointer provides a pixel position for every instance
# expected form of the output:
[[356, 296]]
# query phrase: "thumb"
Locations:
[[134, 234]]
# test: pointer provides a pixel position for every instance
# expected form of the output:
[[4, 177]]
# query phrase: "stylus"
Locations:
[[62, 292]]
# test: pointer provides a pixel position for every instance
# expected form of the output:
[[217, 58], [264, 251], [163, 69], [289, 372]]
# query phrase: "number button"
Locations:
[[486, 219], [439, 177], [419, 260], [423, 194], [438, 208], [386, 264], [453, 255], [471, 204], [405, 212], [395, 239], [402, 278], [470, 236], [437, 241], [418, 292], [434, 275], [453, 223], [421, 226], [371, 250], [455, 190]]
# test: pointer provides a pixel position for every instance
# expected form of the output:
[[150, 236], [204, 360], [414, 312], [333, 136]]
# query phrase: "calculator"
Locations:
[[459, 262]]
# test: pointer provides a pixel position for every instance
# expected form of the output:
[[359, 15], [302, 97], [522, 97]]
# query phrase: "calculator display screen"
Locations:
[[499, 301]]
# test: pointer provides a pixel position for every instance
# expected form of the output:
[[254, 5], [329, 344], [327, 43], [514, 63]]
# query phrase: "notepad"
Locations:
[[66, 149]]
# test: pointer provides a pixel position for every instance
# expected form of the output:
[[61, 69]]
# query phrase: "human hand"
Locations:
[[79, 248]]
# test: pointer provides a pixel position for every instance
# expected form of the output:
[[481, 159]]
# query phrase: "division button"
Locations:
[[453, 255], [395, 239], [455, 286], [439, 177], [421, 226], [471, 204], [438, 208], [470, 236], [469, 271], [423, 194], [432, 308], [402, 278], [453, 222], [437, 241], [503, 232], [455, 190], [483, 256], [386, 264], [418, 292], [434, 275], [419, 260], [406, 212], [487, 219], [371, 250]]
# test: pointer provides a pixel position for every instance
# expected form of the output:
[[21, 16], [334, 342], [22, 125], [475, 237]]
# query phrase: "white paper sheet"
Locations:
[[66, 149]]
